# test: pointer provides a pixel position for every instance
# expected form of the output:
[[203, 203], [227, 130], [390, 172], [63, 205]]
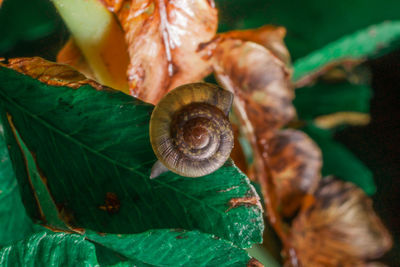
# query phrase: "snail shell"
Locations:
[[190, 131]]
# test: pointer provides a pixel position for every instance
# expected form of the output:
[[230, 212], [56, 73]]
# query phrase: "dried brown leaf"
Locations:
[[163, 37], [338, 227], [51, 73], [295, 164], [271, 37], [258, 78]]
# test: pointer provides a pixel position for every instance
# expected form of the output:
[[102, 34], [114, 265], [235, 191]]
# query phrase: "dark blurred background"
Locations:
[[378, 144]]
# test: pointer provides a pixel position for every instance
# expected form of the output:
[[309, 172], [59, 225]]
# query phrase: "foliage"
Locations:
[[81, 142], [152, 248], [14, 222], [81, 155]]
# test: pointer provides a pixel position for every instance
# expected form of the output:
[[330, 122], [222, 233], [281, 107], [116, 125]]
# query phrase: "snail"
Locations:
[[190, 132]]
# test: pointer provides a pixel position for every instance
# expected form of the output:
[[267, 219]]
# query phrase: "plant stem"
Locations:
[[99, 37]]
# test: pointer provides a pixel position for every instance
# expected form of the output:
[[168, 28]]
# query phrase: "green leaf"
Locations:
[[91, 150], [174, 248], [357, 46], [323, 99], [25, 20], [43, 249], [339, 161], [153, 248], [14, 222], [311, 24]]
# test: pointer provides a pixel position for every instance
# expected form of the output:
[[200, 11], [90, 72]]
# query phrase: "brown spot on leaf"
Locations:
[[111, 203], [244, 201]]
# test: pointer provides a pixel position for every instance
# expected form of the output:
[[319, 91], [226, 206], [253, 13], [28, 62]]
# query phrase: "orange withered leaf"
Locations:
[[338, 227], [50, 73], [295, 163], [163, 38]]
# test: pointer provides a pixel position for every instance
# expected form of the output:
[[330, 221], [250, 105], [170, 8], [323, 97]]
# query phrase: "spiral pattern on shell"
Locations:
[[190, 131]]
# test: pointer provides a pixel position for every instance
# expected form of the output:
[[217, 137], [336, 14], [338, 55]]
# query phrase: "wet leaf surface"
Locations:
[[153, 248], [338, 227], [173, 248], [87, 144], [163, 38], [50, 250]]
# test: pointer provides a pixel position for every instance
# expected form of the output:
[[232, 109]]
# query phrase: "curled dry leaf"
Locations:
[[259, 79], [50, 73], [259, 76], [338, 227], [295, 164], [163, 37]]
